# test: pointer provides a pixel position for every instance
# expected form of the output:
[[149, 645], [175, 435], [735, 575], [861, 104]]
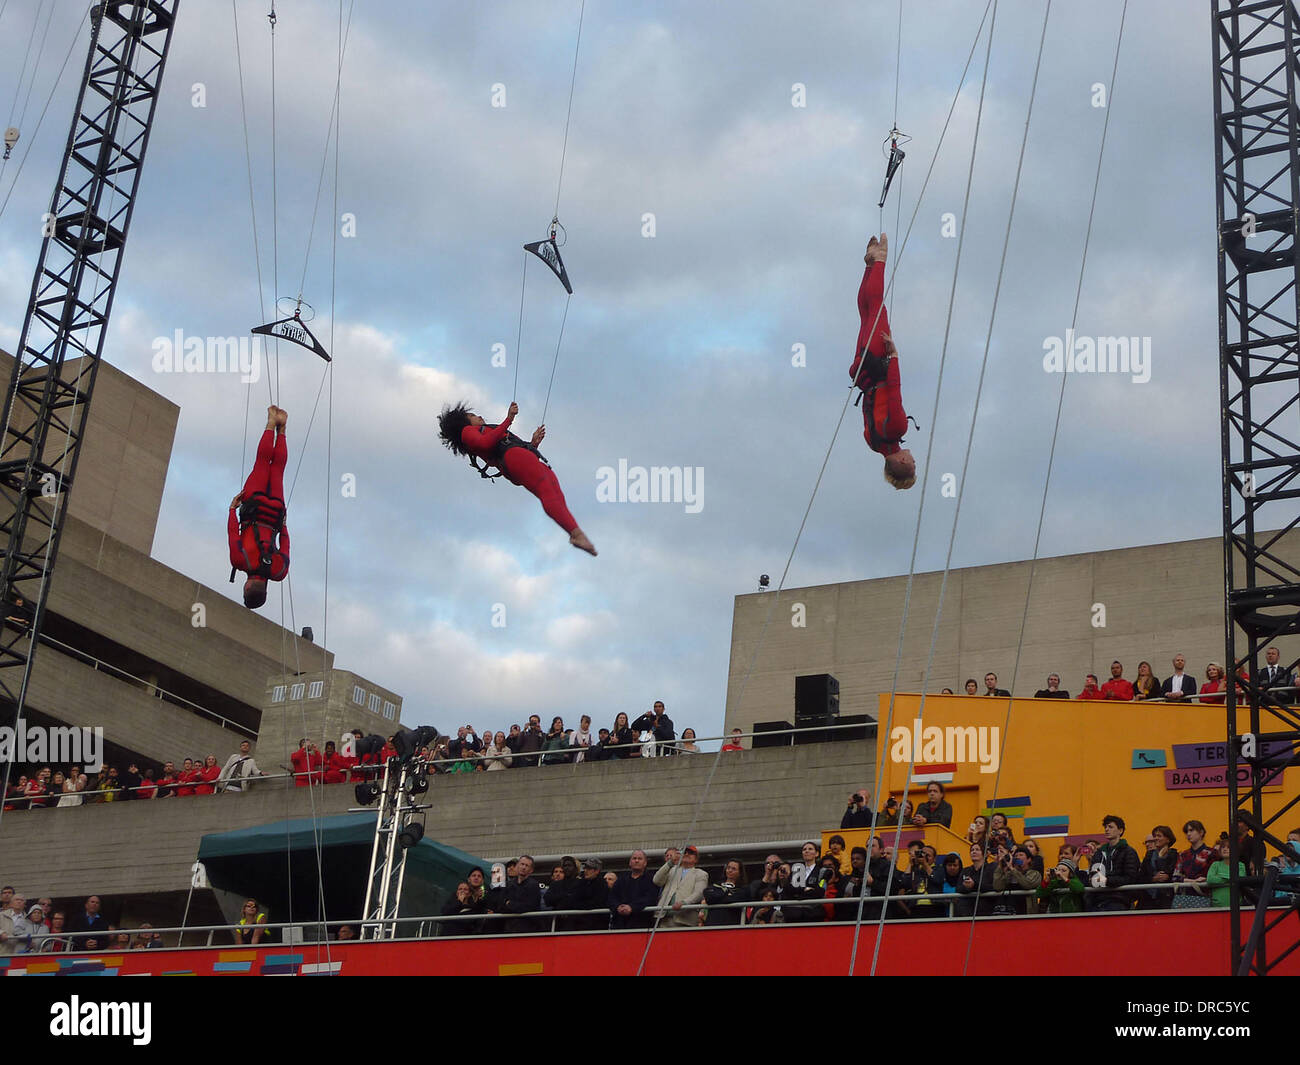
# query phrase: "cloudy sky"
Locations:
[[678, 348]]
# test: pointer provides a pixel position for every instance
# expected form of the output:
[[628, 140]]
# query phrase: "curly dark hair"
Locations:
[[451, 423]]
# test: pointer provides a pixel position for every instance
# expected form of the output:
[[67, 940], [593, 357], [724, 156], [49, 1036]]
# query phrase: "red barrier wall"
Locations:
[[1184, 943]]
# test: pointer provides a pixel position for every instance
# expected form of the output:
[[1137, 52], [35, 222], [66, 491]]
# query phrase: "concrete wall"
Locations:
[[71, 691], [326, 717], [124, 454], [137, 847], [1158, 600]]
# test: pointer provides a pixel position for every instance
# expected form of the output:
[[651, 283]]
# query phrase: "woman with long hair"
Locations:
[[1193, 868], [978, 831], [466, 433], [250, 931], [1146, 685], [621, 738]]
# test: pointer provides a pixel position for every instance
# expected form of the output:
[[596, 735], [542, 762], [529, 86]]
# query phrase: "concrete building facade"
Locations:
[[1133, 604]]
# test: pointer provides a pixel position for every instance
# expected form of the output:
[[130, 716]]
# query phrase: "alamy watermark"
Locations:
[[1076, 354], [179, 353], [952, 743], [654, 484], [34, 744]]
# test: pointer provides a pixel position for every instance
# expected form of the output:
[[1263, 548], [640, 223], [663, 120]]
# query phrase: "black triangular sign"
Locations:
[[294, 330], [549, 252]]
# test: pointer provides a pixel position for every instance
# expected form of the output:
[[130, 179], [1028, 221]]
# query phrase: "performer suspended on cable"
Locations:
[[875, 371], [466, 433], [259, 542]]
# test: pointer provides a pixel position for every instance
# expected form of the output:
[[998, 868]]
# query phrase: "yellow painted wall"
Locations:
[[1074, 758]]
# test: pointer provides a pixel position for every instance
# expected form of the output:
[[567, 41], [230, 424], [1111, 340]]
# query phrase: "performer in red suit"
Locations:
[[465, 433], [259, 542], [307, 763], [875, 371]]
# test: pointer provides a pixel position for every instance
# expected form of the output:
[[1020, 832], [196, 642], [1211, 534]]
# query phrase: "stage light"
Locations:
[[764, 580], [419, 782], [411, 835], [407, 742], [366, 793]]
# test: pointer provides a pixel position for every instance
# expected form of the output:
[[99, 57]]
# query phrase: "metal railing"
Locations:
[[152, 689], [546, 922]]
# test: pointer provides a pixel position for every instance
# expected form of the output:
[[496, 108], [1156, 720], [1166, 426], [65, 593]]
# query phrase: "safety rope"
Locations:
[[76, 35], [559, 185], [882, 750], [775, 598], [952, 539], [1056, 428]]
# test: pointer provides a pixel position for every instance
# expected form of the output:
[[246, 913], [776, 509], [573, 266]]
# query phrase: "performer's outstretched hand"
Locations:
[[234, 503], [538, 435], [890, 350], [514, 409]]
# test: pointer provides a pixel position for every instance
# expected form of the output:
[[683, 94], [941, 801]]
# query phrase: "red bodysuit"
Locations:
[[883, 417], [521, 465], [259, 545]]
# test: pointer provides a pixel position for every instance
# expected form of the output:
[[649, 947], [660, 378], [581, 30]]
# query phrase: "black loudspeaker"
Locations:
[[859, 733], [783, 738], [814, 730], [816, 698]]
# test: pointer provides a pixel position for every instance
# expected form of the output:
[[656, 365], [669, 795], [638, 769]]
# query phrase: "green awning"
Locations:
[[277, 865]]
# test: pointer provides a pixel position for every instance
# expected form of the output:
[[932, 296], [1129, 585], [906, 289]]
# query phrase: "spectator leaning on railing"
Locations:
[[1119, 865]]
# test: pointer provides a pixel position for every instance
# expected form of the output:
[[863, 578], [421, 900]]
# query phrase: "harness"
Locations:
[[498, 455], [265, 512], [872, 370]]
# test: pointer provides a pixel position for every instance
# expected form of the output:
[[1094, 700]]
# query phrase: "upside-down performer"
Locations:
[[466, 433], [259, 542], [875, 371]]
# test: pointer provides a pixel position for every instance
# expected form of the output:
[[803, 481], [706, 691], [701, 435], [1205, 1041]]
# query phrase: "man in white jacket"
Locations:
[[682, 885]]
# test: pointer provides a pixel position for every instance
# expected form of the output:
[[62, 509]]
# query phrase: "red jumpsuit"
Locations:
[[882, 405], [306, 770], [522, 467], [255, 540]]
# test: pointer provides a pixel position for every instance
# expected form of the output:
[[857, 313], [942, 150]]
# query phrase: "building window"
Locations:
[[359, 695], [277, 694], [315, 688], [374, 704], [296, 692], [390, 711]]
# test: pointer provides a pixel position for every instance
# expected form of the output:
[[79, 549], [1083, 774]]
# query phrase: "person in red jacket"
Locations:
[[187, 778], [466, 433], [207, 776], [1090, 689], [259, 542], [1117, 687], [336, 765], [875, 371], [307, 762]]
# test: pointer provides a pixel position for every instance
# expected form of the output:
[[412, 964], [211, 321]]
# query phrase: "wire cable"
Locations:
[[1056, 429]]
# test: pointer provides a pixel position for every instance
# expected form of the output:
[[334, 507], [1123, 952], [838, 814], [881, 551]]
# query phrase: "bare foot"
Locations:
[[281, 418], [578, 539], [271, 417], [876, 250]]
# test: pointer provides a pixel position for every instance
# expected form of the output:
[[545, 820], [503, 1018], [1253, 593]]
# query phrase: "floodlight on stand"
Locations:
[[411, 835], [307, 634], [764, 580]]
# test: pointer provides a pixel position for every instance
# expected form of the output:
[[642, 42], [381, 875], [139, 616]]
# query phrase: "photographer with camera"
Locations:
[[976, 880], [858, 814], [1012, 873], [1062, 889]]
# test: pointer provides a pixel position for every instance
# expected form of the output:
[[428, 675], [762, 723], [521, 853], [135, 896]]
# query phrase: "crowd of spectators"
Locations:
[[1179, 686], [44, 928], [469, 751], [997, 876]]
